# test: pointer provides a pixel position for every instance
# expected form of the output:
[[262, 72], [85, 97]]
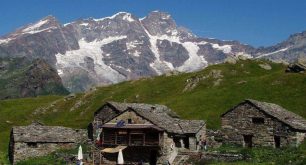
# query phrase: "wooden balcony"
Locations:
[[131, 136]]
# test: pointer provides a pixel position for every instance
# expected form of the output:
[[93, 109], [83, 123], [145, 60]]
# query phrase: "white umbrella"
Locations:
[[120, 157], [98, 136], [80, 154]]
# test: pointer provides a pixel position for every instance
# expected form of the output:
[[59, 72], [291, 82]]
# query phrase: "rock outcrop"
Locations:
[[297, 67], [265, 66], [22, 77]]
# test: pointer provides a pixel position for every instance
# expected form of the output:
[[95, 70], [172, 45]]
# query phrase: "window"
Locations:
[[109, 137], [177, 142], [32, 144], [129, 121], [258, 120], [122, 137], [137, 139]]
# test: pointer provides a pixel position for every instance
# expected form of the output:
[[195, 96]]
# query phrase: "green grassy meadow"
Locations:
[[211, 96]]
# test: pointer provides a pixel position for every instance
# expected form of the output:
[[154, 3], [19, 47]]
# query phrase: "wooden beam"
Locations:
[[116, 137], [144, 139], [129, 138], [159, 139]]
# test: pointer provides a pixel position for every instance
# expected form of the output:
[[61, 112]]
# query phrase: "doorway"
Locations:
[[277, 141], [186, 142], [153, 157], [90, 131], [248, 140]]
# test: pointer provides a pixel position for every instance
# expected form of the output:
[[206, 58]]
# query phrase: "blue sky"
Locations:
[[255, 22]]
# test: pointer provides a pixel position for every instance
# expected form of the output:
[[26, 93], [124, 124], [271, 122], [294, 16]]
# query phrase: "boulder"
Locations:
[[217, 82], [242, 82], [215, 74], [243, 57], [295, 68], [191, 83], [172, 73], [70, 96], [265, 66], [230, 60]]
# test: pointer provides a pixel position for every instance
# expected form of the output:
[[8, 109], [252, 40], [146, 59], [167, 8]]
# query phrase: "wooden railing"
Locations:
[[130, 140]]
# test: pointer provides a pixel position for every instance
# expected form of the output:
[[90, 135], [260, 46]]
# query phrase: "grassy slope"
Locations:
[[206, 101]]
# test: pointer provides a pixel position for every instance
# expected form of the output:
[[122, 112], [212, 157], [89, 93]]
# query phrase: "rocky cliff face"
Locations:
[[21, 77], [42, 39], [90, 52]]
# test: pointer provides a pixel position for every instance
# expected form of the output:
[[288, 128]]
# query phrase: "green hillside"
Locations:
[[202, 95]]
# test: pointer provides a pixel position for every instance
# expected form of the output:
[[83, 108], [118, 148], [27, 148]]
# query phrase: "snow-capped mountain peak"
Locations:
[[120, 15], [46, 24], [116, 48]]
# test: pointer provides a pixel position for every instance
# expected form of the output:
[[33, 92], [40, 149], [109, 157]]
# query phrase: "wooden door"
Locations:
[[277, 141]]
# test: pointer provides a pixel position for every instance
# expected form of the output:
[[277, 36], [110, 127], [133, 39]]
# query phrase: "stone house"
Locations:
[[150, 133], [37, 140], [253, 123]]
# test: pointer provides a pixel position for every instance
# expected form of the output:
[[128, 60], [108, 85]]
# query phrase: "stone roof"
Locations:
[[293, 120], [162, 117], [157, 107], [37, 132], [191, 126]]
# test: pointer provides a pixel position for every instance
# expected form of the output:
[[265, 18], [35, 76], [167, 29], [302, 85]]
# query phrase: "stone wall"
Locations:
[[193, 143], [101, 116], [24, 151], [224, 157], [300, 137], [214, 138], [239, 122], [201, 135], [168, 149]]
